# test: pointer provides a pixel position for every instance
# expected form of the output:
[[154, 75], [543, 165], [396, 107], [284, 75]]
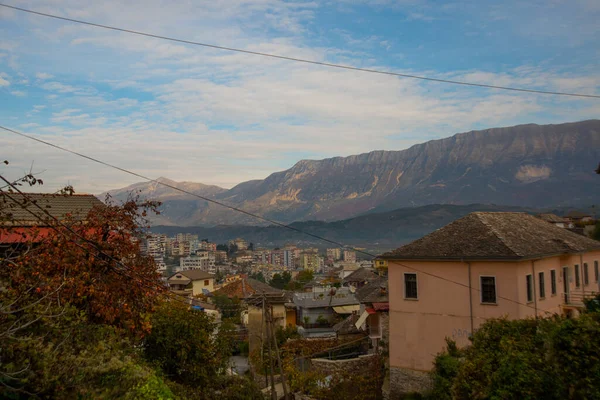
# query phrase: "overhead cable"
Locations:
[[295, 59]]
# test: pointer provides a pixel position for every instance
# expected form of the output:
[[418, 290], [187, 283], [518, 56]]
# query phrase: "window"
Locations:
[[586, 276], [542, 285], [206, 282], [488, 289], [577, 277], [596, 271], [410, 286], [529, 288], [553, 281]]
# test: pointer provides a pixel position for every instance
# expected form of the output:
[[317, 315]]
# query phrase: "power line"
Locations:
[[257, 216], [301, 60]]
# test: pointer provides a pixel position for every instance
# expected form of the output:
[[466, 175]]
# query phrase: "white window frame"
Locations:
[[481, 289], [404, 285]]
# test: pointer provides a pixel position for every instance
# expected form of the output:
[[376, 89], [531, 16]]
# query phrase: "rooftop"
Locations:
[[374, 292], [361, 275], [191, 274], [77, 206], [494, 236], [553, 218], [341, 297], [246, 287]]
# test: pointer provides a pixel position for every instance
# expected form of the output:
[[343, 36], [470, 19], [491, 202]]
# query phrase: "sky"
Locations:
[[191, 113]]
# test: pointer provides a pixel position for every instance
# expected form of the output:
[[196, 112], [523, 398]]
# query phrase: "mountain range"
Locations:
[[531, 165], [376, 232]]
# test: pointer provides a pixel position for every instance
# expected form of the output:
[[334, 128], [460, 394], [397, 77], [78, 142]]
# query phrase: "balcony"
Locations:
[[577, 297]]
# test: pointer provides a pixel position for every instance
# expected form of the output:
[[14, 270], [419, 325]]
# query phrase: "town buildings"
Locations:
[[349, 256], [203, 260], [484, 265], [334, 254], [319, 310], [193, 282]]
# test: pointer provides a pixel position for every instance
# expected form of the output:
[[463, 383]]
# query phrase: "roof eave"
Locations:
[[493, 258]]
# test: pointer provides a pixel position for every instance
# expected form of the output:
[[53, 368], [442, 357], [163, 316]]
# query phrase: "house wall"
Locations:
[[313, 314], [198, 285], [418, 328], [256, 324]]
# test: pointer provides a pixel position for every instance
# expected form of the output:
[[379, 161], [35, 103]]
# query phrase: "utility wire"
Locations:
[[259, 216], [301, 60]]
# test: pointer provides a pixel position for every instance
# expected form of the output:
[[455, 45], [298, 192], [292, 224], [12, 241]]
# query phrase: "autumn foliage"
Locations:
[[96, 266]]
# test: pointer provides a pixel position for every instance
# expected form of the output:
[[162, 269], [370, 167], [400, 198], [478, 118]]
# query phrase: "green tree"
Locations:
[[223, 247], [258, 276], [302, 279], [280, 281], [183, 344], [230, 308], [553, 358], [596, 232]]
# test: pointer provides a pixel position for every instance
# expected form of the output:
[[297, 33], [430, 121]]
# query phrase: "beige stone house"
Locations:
[[484, 265], [193, 282]]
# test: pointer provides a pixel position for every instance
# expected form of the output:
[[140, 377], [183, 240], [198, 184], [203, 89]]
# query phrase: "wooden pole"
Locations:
[[286, 395], [273, 392]]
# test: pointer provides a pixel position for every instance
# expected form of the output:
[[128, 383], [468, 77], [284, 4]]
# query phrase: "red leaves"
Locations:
[[100, 270]]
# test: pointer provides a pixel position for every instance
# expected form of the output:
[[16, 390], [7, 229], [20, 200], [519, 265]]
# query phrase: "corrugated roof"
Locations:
[[494, 236], [58, 206]]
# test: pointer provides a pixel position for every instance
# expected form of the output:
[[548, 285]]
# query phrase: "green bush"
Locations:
[[554, 358]]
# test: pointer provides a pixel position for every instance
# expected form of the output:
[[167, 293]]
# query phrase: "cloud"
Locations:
[[4, 82], [18, 93], [198, 114], [43, 76]]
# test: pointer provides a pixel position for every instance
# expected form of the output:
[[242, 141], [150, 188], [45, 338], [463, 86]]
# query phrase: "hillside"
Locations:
[[526, 165], [377, 231]]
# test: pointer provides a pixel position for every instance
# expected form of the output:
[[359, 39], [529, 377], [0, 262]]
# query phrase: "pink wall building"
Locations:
[[484, 265]]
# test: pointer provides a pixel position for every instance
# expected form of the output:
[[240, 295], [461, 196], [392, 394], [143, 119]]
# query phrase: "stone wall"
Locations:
[[403, 381], [330, 367]]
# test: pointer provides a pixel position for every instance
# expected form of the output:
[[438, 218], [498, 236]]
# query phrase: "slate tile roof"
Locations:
[[374, 292], [361, 275], [57, 205], [494, 236]]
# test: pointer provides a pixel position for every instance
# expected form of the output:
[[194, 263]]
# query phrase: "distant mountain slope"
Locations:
[[526, 165], [378, 231], [177, 207]]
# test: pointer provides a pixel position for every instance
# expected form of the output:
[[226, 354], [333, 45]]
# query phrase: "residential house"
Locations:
[[484, 265], [318, 312], [374, 310], [554, 219], [345, 268], [578, 216], [265, 306], [192, 282], [22, 220], [359, 278]]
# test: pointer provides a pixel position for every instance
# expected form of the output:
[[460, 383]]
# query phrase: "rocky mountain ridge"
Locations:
[[526, 165]]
